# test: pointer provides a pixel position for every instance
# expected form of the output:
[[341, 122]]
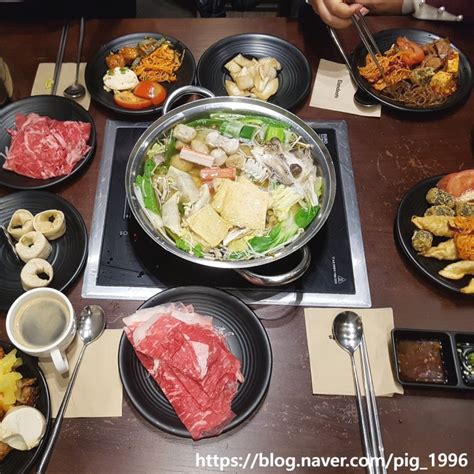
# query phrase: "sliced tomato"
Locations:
[[150, 90], [458, 184], [211, 173], [128, 100], [411, 52]]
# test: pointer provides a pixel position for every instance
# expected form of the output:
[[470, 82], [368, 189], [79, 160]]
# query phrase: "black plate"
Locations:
[[96, 68], [384, 40], [69, 251], [56, 107], [295, 75], [414, 204], [20, 461], [247, 340]]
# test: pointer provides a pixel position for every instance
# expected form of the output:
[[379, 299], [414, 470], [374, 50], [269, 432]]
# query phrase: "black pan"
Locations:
[[414, 204], [247, 340], [21, 461], [69, 251], [294, 77], [55, 107], [96, 68], [384, 40]]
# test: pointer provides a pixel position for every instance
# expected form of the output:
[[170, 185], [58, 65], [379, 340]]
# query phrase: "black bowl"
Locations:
[[20, 461], [69, 253], [414, 204], [247, 340], [385, 39], [96, 68], [56, 107], [294, 77]]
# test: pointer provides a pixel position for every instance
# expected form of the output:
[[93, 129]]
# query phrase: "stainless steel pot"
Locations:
[[212, 104]]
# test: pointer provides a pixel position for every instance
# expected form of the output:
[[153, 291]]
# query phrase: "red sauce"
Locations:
[[421, 361]]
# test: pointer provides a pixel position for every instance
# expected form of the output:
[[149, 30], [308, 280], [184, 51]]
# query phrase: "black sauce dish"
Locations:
[[454, 349]]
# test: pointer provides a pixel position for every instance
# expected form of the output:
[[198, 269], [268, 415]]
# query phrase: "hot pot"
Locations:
[[203, 107]]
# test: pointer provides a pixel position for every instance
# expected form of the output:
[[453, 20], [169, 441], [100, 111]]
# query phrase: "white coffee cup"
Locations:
[[56, 347]]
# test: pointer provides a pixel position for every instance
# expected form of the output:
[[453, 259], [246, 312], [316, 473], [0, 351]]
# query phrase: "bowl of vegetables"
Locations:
[[231, 183]]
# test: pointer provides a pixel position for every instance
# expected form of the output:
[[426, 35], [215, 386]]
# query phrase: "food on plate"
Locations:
[[418, 75], [421, 361], [21, 222], [120, 79], [449, 217], [230, 186], [51, 223], [22, 428], [189, 359], [36, 273], [465, 350], [459, 184], [135, 73], [33, 245], [43, 148], [15, 391], [252, 77], [457, 270], [469, 289]]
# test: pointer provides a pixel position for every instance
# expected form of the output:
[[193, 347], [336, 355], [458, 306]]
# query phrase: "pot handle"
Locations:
[[282, 279], [186, 90]]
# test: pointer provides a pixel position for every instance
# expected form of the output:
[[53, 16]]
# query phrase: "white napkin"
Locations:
[[334, 90]]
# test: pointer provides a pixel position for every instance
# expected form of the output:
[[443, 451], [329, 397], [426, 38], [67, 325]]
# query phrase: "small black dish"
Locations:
[[69, 251], [414, 204], [384, 40], [55, 107], [247, 340], [21, 461], [451, 362], [294, 77], [465, 351], [96, 69]]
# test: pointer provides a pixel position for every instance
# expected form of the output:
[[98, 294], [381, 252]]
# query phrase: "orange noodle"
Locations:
[[160, 65]]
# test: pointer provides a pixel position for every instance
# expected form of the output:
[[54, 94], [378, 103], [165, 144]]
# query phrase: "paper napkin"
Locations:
[[44, 80], [334, 90], [331, 370], [98, 390]]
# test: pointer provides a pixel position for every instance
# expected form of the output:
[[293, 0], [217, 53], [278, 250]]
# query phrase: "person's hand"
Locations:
[[336, 13]]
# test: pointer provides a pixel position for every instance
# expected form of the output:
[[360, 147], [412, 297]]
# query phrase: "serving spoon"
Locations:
[[76, 90], [90, 326], [348, 332]]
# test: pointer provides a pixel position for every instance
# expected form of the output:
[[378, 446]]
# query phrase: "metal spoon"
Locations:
[[90, 326], [76, 90], [347, 330]]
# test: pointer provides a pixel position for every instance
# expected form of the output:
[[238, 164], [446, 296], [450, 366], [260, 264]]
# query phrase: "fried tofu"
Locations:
[[219, 197], [443, 83], [209, 225], [245, 205]]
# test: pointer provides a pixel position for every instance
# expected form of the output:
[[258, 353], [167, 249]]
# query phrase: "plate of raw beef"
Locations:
[[44, 140], [195, 361]]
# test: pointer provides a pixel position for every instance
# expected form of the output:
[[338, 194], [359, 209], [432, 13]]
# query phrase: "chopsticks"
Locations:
[[376, 442], [59, 57], [366, 37]]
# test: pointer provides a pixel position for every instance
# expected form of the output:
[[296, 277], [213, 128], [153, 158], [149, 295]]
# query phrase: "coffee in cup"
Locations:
[[41, 322]]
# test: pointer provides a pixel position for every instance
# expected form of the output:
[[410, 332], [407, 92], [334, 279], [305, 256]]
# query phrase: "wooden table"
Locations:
[[389, 156]]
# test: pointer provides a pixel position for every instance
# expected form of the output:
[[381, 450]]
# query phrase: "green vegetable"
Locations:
[[284, 230], [123, 70], [304, 217], [205, 123], [231, 129], [275, 132], [170, 149], [247, 132], [146, 186], [183, 245], [156, 149]]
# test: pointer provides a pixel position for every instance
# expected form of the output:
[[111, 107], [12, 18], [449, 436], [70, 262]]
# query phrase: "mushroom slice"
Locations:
[[36, 273], [51, 223], [33, 245], [21, 222]]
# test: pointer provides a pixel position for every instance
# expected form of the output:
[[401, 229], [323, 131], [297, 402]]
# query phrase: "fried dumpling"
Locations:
[[457, 270], [33, 245], [469, 289], [444, 251], [36, 274], [51, 223], [21, 222], [437, 225]]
